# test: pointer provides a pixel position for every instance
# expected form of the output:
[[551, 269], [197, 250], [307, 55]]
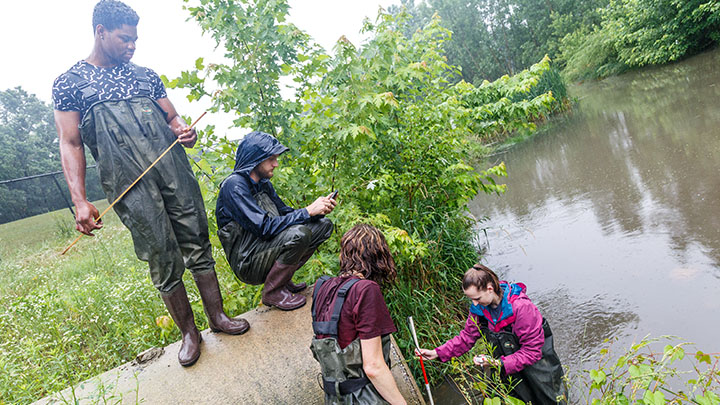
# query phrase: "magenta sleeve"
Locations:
[[461, 343], [528, 328]]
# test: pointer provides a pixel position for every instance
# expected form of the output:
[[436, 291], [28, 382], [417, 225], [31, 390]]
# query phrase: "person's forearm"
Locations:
[[384, 383], [176, 122], [73, 164]]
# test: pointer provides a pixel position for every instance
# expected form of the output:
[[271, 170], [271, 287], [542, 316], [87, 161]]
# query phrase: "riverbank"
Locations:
[[270, 364], [611, 216], [65, 319]]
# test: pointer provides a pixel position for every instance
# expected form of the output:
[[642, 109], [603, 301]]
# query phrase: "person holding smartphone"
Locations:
[[265, 241]]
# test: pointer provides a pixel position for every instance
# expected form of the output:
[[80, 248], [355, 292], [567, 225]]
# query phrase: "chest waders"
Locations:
[[541, 382], [251, 258], [344, 380], [164, 211], [240, 245]]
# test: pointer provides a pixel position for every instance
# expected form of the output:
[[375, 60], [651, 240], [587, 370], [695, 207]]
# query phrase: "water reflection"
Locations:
[[583, 324], [612, 217]]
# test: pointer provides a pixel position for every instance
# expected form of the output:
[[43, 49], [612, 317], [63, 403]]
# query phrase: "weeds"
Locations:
[[64, 319], [655, 371]]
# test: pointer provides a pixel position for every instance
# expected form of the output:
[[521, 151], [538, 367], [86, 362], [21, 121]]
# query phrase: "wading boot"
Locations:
[[275, 292], [296, 288], [218, 321], [179, 307]]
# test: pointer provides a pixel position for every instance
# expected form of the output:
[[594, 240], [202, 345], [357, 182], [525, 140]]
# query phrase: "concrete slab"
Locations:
[[270, 364]]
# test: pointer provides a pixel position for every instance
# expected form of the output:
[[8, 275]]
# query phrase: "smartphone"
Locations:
[[334, 194]]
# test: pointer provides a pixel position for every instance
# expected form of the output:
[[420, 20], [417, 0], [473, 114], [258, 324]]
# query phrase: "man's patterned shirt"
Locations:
[[113, 83]]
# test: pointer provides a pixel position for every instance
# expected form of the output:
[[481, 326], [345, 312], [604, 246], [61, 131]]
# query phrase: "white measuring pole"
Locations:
[[417, 346]]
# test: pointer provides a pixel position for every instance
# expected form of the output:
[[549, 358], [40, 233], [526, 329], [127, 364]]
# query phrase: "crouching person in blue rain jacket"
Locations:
[[265, 241]]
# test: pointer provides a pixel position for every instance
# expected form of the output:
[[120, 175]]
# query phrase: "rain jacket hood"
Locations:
[[511, 292], [253, 149], [256, 207]]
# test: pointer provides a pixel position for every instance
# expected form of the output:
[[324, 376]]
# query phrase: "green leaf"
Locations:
[[598, 376], [654, 398], [710, 398], [514, 401]]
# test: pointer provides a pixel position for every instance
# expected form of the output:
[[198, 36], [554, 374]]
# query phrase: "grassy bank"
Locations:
[[64, 319]]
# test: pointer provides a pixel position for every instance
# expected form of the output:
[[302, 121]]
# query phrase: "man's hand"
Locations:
[[321, 206], [180, 128], [85, 218], [426, 354], [186, 135]]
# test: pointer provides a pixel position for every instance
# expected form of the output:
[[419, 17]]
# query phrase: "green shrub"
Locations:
[[636, 33]]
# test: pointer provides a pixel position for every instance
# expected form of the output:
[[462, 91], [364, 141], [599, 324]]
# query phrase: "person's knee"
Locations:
[[326, 228], [166, 272], [298, 236]]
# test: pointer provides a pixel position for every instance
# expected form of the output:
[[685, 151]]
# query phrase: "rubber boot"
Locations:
[[296, 288], [275, 292], [178, 305], [218, 321]]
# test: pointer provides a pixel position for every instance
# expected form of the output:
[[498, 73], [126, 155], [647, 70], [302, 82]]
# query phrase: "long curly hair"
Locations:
[[363, 250], [113, 14]]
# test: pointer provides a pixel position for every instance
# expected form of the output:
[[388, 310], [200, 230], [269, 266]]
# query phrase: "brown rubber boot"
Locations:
[[296, 288], [275, 293], [218, 321], [178, 305]]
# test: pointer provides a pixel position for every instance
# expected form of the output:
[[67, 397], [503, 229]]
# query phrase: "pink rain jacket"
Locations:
[[526, 323]]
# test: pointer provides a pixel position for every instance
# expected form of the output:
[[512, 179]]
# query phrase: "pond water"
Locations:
[[612, 215]]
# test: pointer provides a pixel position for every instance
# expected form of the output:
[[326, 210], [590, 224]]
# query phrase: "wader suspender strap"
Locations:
[[330, 327], [318, 284], [142, 79], [350, 385], [90, 93]]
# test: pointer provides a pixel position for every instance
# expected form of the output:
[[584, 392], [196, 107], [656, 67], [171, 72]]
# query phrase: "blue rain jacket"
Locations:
[[237, 202]]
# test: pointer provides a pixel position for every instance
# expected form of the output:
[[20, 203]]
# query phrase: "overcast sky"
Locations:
[[43, 38]]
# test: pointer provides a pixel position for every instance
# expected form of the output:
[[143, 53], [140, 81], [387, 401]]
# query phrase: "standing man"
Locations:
[[121, 112], [266, 241]]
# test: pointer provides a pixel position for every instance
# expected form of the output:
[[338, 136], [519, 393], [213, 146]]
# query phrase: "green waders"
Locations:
[[164, 211], [344, 380], [251, 257], [541, 382]]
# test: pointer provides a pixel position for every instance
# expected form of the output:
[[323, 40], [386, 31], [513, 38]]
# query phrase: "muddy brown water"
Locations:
[[612, 215]]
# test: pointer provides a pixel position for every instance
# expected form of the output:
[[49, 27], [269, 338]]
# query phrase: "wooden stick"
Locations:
[[133, 183]]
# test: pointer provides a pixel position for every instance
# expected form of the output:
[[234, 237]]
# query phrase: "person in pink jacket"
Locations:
[[521, 338]]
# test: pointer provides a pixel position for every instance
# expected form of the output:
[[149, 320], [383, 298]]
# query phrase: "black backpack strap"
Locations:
[[88, 91], [318, 284], [335, 388], [142, 80], [330, 327]]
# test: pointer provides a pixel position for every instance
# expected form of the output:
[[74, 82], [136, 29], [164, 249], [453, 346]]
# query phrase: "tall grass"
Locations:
[[430, 291], [64, 319]]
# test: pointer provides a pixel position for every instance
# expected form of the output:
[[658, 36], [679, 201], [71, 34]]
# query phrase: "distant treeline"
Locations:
[[585, 39], [29, 147]]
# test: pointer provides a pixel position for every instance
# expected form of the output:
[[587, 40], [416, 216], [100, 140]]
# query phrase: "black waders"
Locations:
[[344, 380], [541, 382]]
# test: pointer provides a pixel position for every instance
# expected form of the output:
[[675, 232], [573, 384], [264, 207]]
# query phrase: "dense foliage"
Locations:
[[634, 33], [387, 123], [492, 38], [28, 146], [587, 39]]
